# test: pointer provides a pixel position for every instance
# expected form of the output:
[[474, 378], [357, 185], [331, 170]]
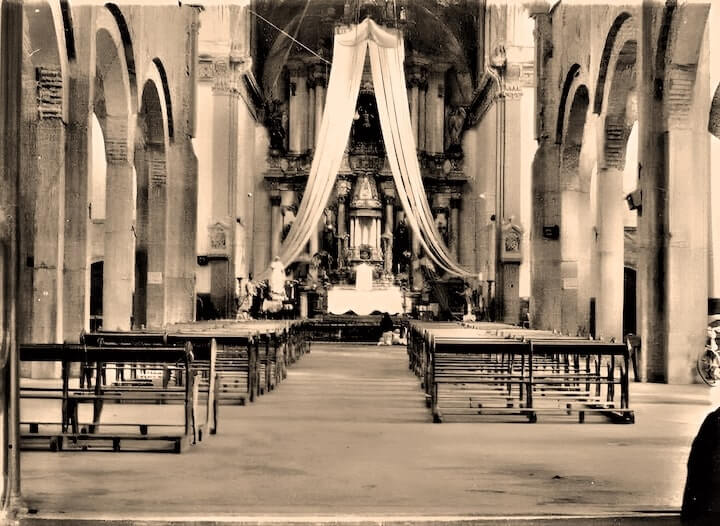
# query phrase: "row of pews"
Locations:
[[151, 391], [487, 371]]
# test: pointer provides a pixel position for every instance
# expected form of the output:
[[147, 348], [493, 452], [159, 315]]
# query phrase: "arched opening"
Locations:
[[112, 108], [620, 112], [714, 129], [151, 206], [97, 207], [575, 221]]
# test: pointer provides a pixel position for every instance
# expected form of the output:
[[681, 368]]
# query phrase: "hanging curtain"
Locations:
[[387, 54], [386, 59], [343, 88]]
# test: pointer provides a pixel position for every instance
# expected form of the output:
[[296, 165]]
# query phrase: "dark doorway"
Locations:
[[630, 301], [96, 295], [140, 294]]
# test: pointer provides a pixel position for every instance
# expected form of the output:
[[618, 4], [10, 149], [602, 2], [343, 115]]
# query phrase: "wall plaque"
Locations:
[[511, 244], [218, 236]]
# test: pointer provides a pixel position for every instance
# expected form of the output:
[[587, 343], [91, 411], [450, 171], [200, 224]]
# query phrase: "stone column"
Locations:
[[119, 266], [224, 184], [547, 280], [454, 226], [422, 110], [44, 185], [389, 229], [310, 116], [672, 228], [435, 109], [298, 107], [611, 239], [320, 82], [510, 150], [413, 99], [275, 226], [342, 189], [11, 83], [156, 305], [76, 279]]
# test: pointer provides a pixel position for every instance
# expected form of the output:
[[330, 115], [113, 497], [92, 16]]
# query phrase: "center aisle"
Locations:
[[348, 433]]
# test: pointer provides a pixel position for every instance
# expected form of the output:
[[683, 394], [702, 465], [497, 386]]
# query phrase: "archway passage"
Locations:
[[112, 106], [149, 301], [574, 209], [620, 114]]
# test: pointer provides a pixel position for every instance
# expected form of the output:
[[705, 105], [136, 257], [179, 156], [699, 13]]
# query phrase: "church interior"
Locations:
[[330, 224]]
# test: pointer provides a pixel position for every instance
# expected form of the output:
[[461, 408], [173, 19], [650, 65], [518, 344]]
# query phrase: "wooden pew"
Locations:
[[66, 430], [202, 369], [476, 372]]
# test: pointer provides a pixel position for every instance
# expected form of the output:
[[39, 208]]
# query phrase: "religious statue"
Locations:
[[456, 121], [277, 278], [442, 226], [278, 126], [365, 127], [246, 296]]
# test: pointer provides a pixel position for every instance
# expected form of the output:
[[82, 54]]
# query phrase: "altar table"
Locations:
[[342, 299]]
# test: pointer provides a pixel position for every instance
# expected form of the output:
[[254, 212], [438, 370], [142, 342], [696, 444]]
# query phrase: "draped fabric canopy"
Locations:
[[387, 54]]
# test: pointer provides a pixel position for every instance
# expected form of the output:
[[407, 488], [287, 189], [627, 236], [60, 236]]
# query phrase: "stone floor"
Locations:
[[347, 435]]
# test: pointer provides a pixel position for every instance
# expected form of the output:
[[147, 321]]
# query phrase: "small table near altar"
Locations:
[[365, 297]]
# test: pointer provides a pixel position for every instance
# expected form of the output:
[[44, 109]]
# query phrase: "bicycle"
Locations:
[[708, 362]]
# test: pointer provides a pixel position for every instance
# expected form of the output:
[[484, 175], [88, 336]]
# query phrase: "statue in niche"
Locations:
[[277, 123], [365, 126], [329, 240], [442, 226], [456, 122], [401, 247]]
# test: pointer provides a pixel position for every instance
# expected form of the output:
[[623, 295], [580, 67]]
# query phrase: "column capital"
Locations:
[[275, 199], [224, 72], [342, 189], [417, 75], [296, 68], [317, 74]]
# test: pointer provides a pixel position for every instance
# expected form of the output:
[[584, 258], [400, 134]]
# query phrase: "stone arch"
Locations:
[[614, 36], [714, 119], [619, 113], [45, 31], [127, 48], [572, 74], [167, 103], [680, 56], [151, 147], [115, 107], [621, 110], [572, 141]]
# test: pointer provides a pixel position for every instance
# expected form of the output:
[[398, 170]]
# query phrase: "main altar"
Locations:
[[365, 222]]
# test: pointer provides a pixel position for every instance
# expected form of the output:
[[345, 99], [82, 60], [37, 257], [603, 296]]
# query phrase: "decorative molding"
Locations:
[[49, 92], [116, 143], [206, 70], [158, 172]]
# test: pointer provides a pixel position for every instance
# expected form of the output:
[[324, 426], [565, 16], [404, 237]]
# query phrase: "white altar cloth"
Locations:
[[342, 299]]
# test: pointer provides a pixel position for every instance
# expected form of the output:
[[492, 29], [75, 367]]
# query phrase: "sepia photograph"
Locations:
[[359, 262]]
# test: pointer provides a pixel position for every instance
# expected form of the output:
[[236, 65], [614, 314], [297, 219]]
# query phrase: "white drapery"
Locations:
[[387, 54]]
